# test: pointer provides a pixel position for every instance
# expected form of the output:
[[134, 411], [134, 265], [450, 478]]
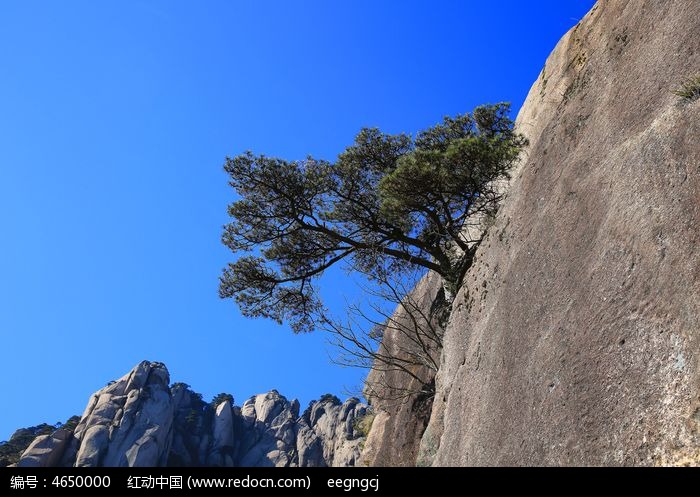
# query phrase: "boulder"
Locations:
[[45, 450]]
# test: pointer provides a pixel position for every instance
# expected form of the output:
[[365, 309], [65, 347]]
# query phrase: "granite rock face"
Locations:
[[401, 411], [269, 422], [328, 433], [140, 420], [127, 423], [222, 446], [46, 450], [575, 338]]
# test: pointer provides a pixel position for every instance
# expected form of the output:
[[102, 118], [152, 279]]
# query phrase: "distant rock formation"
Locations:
[[139, 420]]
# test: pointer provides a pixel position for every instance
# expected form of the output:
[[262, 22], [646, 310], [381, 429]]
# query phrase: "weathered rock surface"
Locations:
[[222, 451], [19, 442], [401, 411], [328, 434], [46, 450], [140, 420], [575, 338], [270, 430], [127, 423]]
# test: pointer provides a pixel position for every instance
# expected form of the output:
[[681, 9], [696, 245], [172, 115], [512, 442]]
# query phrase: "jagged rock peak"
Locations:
[[139, 420], [127, 423]]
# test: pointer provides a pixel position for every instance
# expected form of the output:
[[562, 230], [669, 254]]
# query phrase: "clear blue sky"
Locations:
[[115, 118]]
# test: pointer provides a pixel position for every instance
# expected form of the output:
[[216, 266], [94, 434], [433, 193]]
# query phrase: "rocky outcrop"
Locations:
[[139, 420], [222, 446], [128, 423], [401, 409], [269, 422], [46, 450], [329, 433], [575, 337], [19, 442]]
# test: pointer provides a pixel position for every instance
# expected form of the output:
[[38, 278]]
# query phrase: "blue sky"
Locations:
[[115, 118]]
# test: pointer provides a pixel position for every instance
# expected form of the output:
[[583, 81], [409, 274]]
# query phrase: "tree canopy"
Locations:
[[388, 203]]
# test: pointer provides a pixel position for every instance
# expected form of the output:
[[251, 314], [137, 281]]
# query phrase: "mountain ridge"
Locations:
[[140, 420]]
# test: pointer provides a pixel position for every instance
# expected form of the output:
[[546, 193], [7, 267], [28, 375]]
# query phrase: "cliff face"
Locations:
[[575, 337], [401, 411], [139, 420]]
